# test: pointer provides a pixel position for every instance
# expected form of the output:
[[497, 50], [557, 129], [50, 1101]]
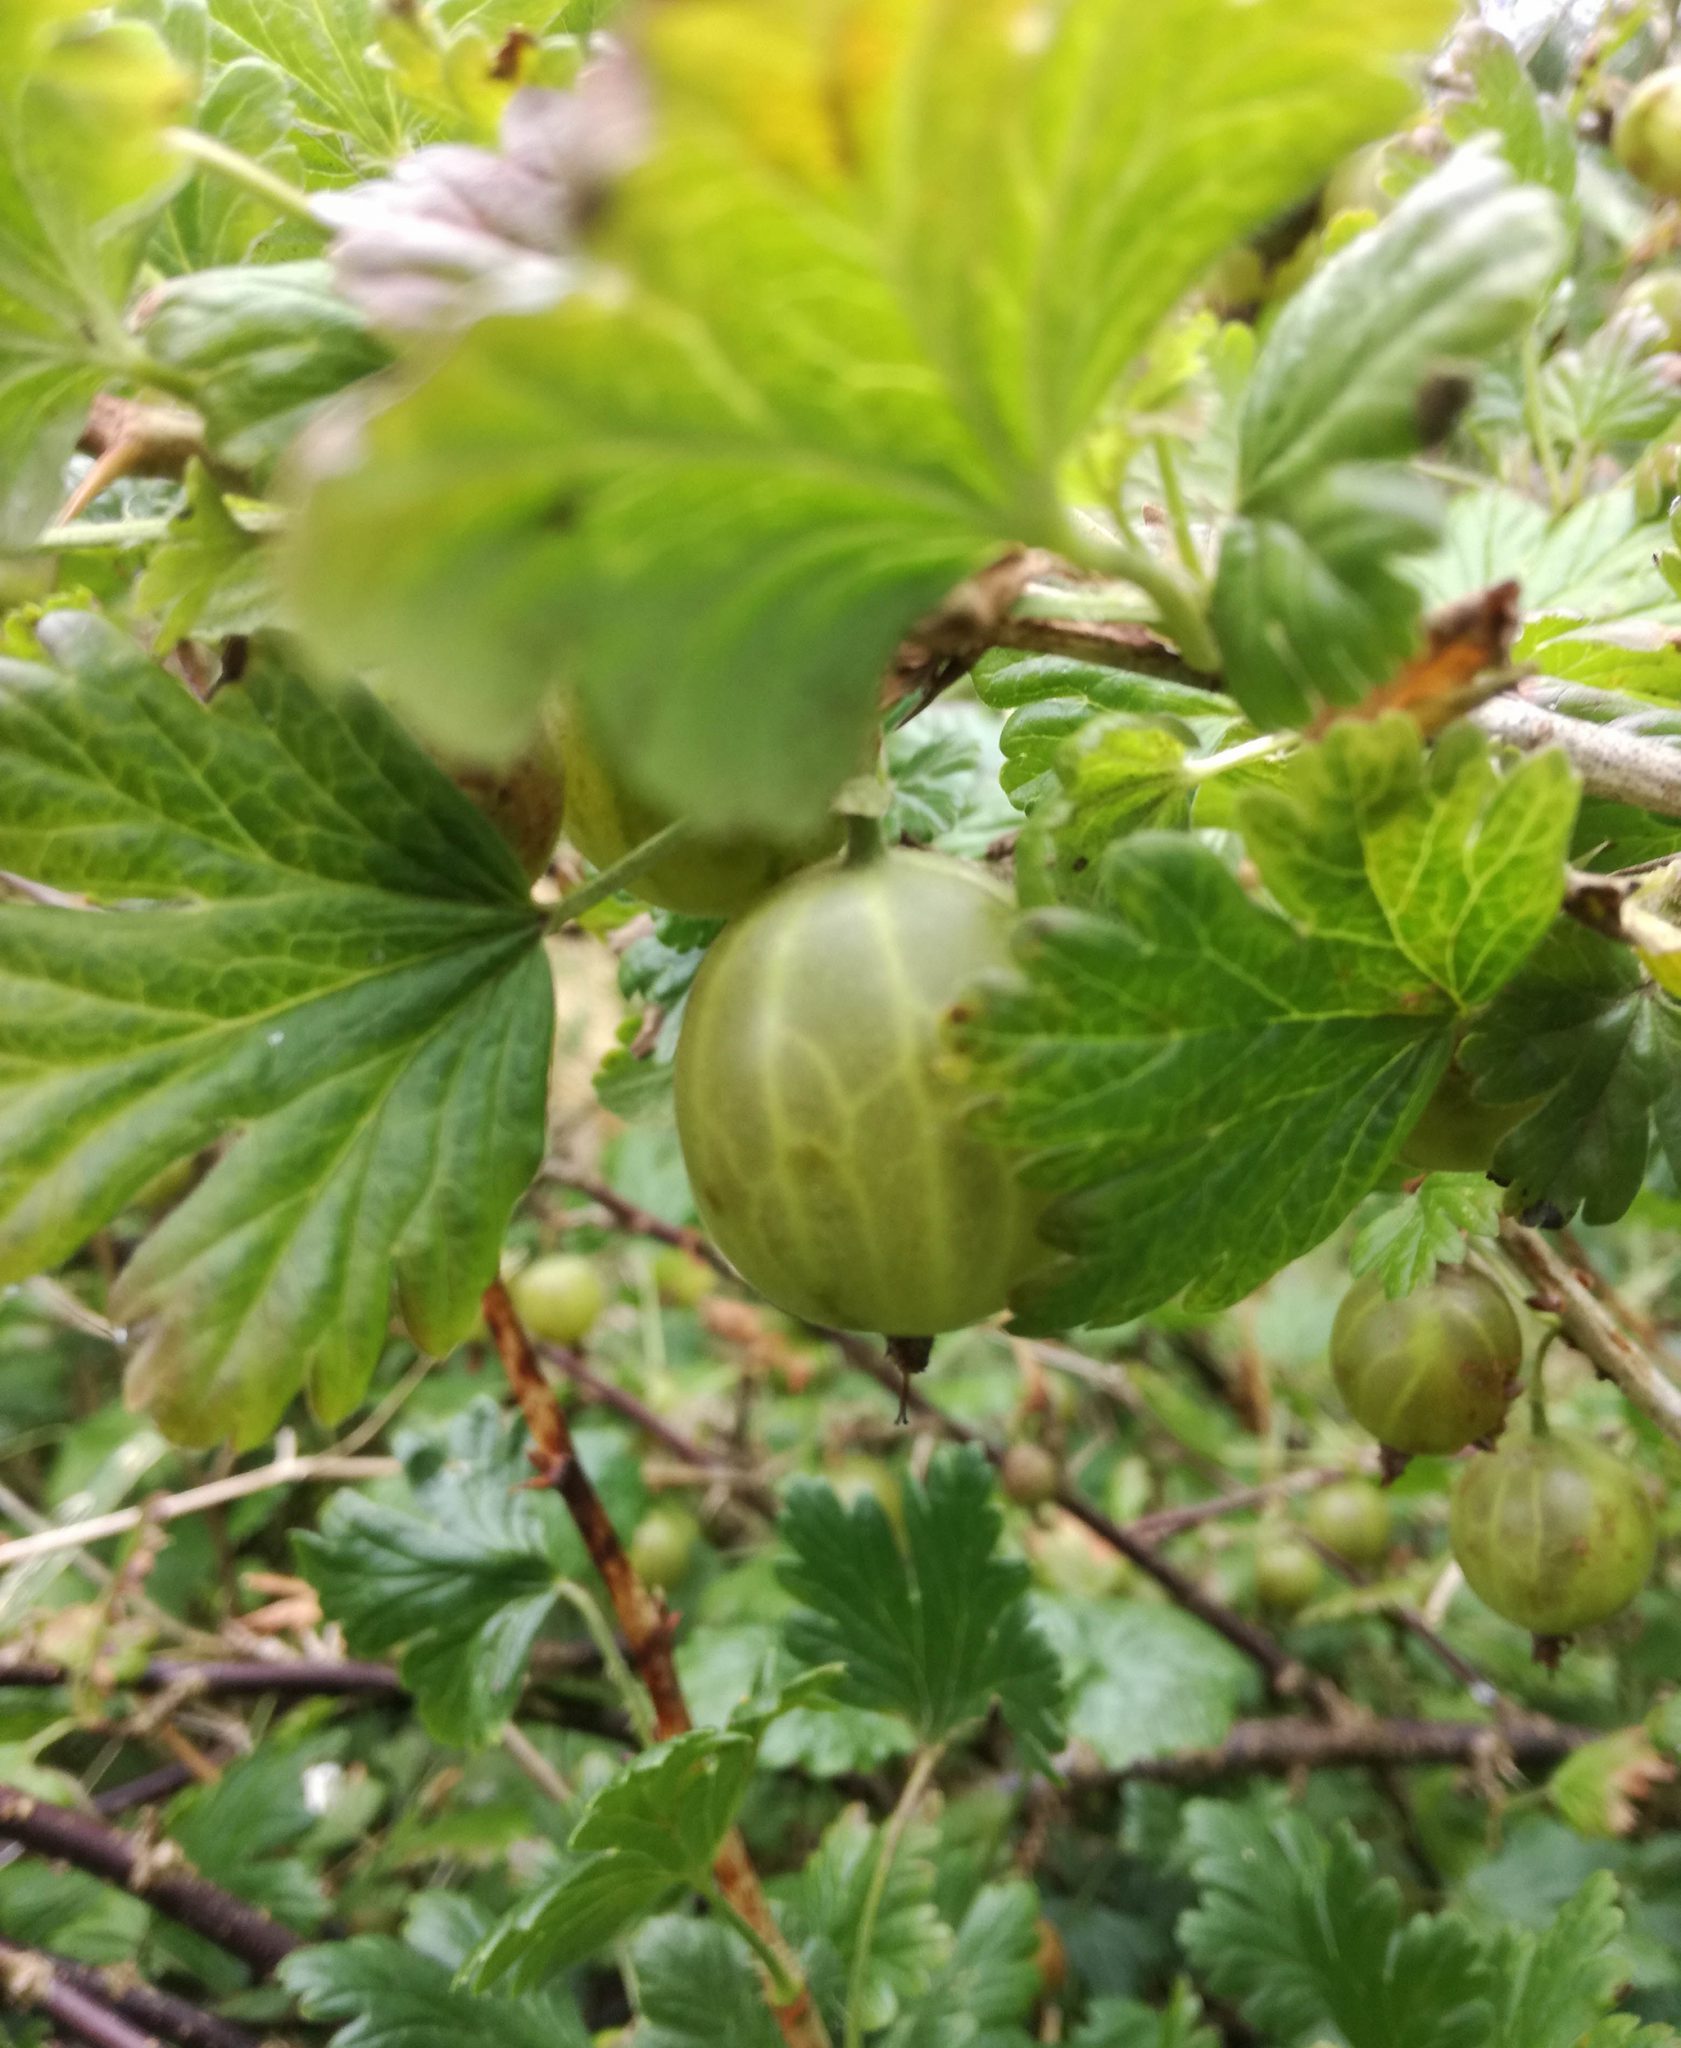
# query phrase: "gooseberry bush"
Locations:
[[840, 1023]]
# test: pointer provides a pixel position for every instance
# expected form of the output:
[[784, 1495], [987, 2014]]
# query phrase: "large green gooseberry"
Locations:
[[1433, 1370], [710, 877], [828, 1143], [1553, 1532], [1647, 138]]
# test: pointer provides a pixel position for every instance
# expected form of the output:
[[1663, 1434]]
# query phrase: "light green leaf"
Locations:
[[395, 1994], [1295, 1929], [1208, 1089], [723, 1667], [1144, 1678], [654, 1827], [212, 221], [1342, 380], [824, 1906], [986, 1992], [1126, 2023], [936, 1635], [1534, 133], [260, 348], [1445, 858], [697, 1989], [1598, 1788], [852, 317], [349, 111], [1425, 1229], [1597, 562], [1554, 1984], [83, 169], [338, 961], [208, 575]]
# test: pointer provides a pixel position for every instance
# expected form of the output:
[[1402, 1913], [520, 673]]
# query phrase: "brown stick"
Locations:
[[291, 1678], [1569, 1295], [161, 1877], [1262, 1747], [641, 1222], [647, 1630], [33, 1982], [153, 2011], [1166, 1522]]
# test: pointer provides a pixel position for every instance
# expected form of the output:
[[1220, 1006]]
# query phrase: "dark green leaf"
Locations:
[[936, 1635], [465, 1578], [1555, 1983], [1125, 2023], [236, 1832], [823, 1907], [1211, 1090], [209, 576], [352, 980], [1588, 1035], [696, 1988], [986, 1992], [1295, 1930]]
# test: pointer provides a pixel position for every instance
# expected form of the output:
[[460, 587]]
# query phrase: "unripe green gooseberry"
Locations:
[[1067, 1557], [1287, 1574], [1456, 1133], [559, 1297], [710, 877], [1029, 1474], [1554, 1532], [1351, 1519], [1647, 138], [681, 1278], [1432, 1371], [1659, 294], [662, 1545], [826, 1135]]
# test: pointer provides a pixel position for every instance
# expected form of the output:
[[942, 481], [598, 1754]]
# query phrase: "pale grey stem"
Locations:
[[1629, 767]]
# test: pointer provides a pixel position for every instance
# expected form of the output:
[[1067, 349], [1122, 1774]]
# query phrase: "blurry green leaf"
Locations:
[[1294, 1928], [724, 1667], [71, 1912], [932, 769], [208, 576], [984, 1995], [654, 1827], [351, 978], [1596, 562], [1125, 2023], [1208, 1089], [237, 1830], [465, 1578], [1443, 857], [1406, 1243], [1598, 1787], [1534, 132], [1118, 775], [696, 1988], [855, 311], [1552, 1985], [1144, 1678], [348, 108], [391, 1994], [259, 347], [824, 1905], [1587, 1030], [1306, 603], [937, 1635], [212, 220], [83, 169]]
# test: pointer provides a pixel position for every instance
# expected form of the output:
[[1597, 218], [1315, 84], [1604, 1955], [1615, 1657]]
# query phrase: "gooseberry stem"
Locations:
[[613, 877], [892, 1835], [783, 1987], [257, 179], [864, 841], [1538, 1423]]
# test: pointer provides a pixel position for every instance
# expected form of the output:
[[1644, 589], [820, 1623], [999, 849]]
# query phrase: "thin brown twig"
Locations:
[[1563, 1291], [647, 1630], [638, 1222], [1294, 1743], [160, 1876], [1166, 1522], [34, 1983]]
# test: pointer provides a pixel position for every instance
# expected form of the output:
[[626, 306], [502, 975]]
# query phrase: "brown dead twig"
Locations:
[[647, 1631]]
